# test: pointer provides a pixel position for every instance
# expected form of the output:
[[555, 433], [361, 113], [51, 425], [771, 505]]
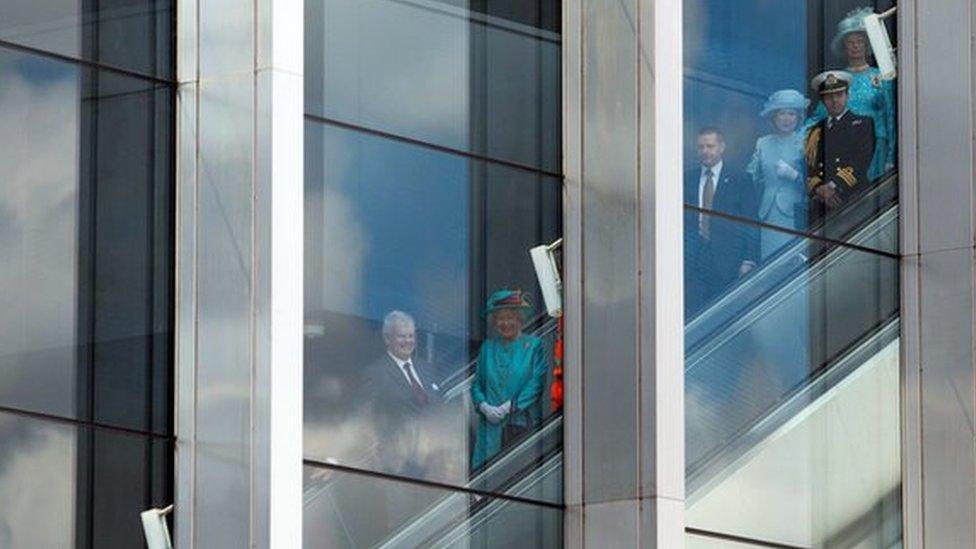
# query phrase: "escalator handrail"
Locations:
[[749, 440], [720, 313], [539, 325], [522, 482], [548, 325], [776, 294]]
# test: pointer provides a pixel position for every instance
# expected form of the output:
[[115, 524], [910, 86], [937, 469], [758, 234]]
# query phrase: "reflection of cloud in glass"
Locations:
[[375, 52], [36, 485], [39, 121], [343, 240], [53, 25], [433, 446]]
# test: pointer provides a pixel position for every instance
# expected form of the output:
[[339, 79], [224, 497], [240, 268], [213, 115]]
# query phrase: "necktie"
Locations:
[[830, 122], [708, 197], [420, 395]]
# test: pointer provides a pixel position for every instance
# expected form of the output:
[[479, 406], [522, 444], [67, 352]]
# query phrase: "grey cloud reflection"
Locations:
[[37, 489], [375, 52], [39, 149]]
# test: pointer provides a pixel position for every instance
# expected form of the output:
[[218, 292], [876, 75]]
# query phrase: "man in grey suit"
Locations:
[[401, 391]]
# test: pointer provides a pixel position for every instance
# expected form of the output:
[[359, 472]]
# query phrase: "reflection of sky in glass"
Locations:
[[736, 54], [436, 73], [409, 207], [39, 104]]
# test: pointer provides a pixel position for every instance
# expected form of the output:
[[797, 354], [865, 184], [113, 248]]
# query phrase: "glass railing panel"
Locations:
[[396, 226], [482, 78], [805, 313], [829, 478], [355, 510]]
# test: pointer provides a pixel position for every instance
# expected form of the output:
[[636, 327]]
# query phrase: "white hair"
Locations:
[[395, 317]]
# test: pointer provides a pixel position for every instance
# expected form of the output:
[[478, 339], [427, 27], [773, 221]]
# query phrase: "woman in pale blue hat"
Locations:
[[868, 95], [509, 377], [777, 168]]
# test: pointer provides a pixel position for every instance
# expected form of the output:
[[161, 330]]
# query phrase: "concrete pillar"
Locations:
[[239, 273]]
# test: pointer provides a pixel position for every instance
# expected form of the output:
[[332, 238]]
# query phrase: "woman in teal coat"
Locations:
[[509, 377], [868, 94]]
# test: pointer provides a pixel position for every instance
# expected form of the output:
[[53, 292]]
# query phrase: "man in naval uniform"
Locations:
[[838, 149]]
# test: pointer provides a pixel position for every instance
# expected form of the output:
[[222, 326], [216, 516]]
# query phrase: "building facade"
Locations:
[[269, 263]]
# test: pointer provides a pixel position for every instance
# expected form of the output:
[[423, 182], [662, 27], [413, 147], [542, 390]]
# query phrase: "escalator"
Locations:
[[745, 390]]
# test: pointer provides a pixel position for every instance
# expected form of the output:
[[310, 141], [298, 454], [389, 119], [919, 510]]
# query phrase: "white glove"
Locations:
[[786, 171], [492, 413], [506, 408]]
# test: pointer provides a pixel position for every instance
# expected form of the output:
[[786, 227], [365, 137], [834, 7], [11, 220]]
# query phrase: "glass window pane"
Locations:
[[85, 240], [135, 35], [792, 394], [762, 143], [390, 227], [485, 81], [65, 486], [354, 510]]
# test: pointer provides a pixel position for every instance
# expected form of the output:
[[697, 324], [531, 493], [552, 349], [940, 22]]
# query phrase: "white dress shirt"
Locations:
[[832, 119], [403, 365]]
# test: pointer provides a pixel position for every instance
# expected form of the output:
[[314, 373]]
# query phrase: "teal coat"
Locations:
[[516, 372]]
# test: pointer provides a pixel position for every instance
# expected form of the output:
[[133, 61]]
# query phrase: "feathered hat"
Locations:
[[851, 23]]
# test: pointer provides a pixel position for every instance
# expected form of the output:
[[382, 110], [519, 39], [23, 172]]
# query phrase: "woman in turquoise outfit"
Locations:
[[868, 95], [777, 168], [509, 377]]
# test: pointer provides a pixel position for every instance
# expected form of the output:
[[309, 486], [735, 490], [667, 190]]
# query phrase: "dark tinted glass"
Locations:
[[484, 79], [86, 243], [778, 157], [392, 226], [352, 510], [68, 486], [136, 35]]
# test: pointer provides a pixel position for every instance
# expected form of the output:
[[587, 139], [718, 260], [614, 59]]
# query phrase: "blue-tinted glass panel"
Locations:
[[68, 486], [761, 143], [792, 390], [86, 243], [353, 510], [136, 35], [391, 227], [480, 79]]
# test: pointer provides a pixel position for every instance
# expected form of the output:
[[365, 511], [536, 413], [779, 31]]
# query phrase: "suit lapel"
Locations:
[[397, 375]]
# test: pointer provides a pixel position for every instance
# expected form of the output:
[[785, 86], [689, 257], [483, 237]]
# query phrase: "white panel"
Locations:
[[278, 308], [661, 257], [280, 27]]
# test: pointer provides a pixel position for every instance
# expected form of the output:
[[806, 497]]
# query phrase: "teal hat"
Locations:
[[851, 23], [785, 99], [506, 299]]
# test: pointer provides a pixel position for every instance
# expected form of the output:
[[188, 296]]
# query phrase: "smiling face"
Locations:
[[835, 102], [507, 322], [402, 340], [786, 120]]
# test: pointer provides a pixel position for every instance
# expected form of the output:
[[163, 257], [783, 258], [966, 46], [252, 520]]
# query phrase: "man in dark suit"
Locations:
[[718, 250], [400, 391], [838, 149]]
